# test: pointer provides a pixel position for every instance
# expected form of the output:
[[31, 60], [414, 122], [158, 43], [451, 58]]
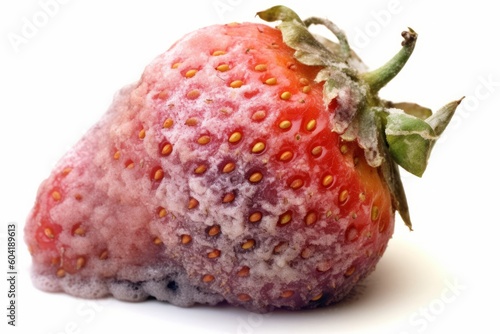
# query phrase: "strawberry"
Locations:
[[249, 164]]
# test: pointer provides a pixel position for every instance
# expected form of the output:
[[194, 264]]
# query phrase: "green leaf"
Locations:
[[369, 129], [279, 13], [411, 109], [297, 36], [390, 172], [410, 141], [440, 120]]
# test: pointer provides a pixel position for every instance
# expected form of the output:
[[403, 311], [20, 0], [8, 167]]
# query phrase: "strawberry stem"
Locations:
[[378, 78], [345, 49]]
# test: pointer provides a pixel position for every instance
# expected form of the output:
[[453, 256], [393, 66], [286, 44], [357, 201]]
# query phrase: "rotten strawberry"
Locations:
[[249, 164]]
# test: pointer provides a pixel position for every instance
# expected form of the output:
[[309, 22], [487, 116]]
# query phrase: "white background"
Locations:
[[440, 278]]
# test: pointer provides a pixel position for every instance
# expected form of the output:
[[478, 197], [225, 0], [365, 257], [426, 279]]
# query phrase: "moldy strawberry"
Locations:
[[252, 165]]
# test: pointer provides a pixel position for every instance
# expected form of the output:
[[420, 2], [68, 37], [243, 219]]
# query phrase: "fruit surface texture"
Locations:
[[233, 170]]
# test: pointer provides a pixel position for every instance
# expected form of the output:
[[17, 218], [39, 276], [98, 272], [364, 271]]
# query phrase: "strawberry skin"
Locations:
[[215, 177]]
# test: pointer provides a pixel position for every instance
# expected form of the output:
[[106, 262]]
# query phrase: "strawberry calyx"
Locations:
[[391, 134]]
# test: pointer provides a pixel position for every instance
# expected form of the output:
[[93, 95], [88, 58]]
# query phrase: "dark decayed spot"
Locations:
[[172, 285]]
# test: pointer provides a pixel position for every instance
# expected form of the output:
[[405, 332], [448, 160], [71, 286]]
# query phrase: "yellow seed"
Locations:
[[48, 232], [166, 149], [344, 149], [259, 115], [297, 183], [343, 196], [193, 203], [214, 230], [157, 241], [218, 53], [117, 155], [193, 94], [324, 266], [350, 271], [375, 213], [286, 96], [287, 294], [327, 181], [255, 177], [191, 73], [306, 89], [280, 248], [142, 134], [207, 278], [229, 167], [235, 137], [285, 218], [258, 147], [362, 197], [223, 68], [317, 297], [80, 262], [162, 95], [228, 198], [311, 218], [261, 67], [286, 156], [285, 125], [103, 255], [248, 244], [304, 81], [61, 272], [168, 123], [214, 254], [311, 125], [192, 121], [162, 212], [200, 169], [255, 217], [158, 174], [244, 297], [56, 195], [129, 164], [316, 151], [243, 272], [176, 65], [66, 171], [80, 231], [236, 84], [306, 253], [185, 239], [271, 81], [203, 140]]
